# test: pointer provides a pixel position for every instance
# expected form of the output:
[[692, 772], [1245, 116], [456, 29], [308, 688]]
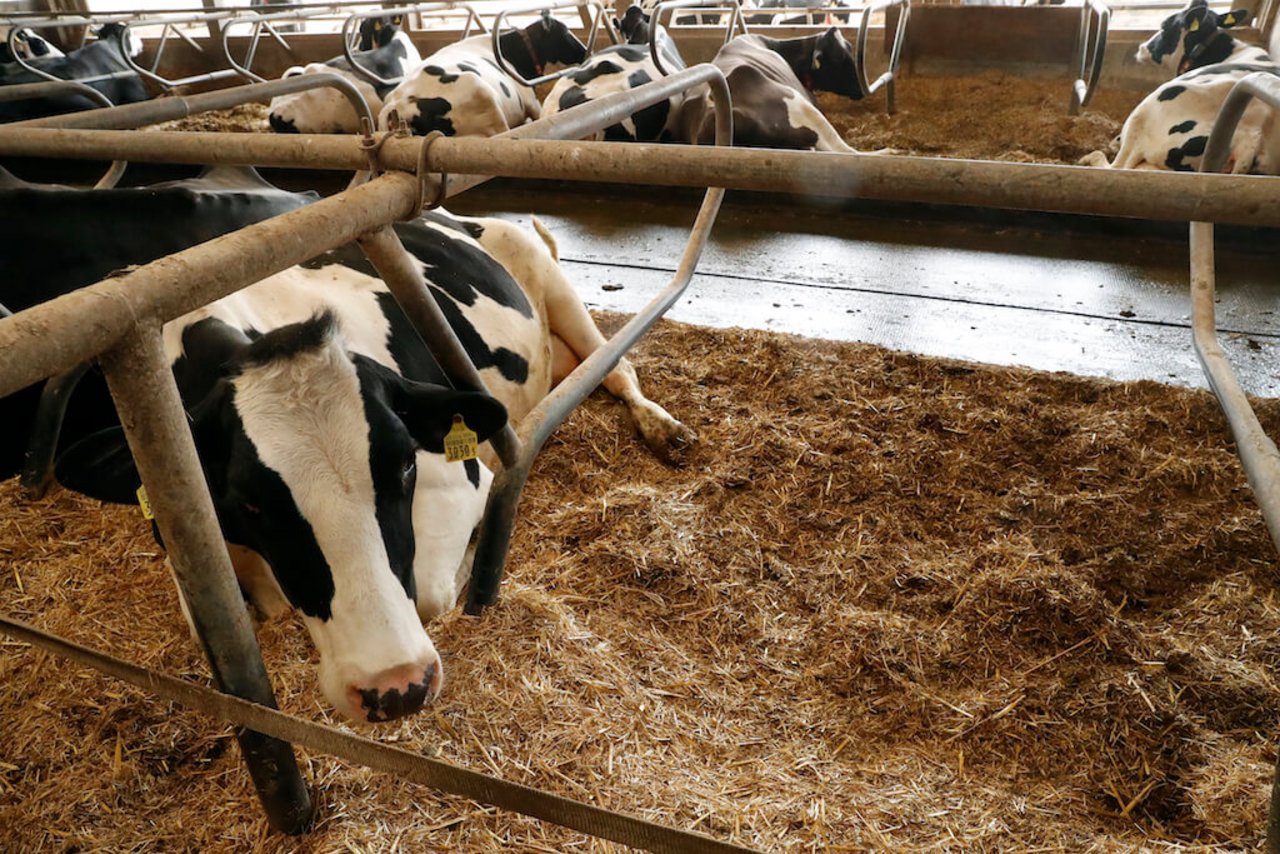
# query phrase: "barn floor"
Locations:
[[1092, 297]]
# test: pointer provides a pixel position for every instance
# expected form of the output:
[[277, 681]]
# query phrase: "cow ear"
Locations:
[[100, 466], [1235, 16], [428, 412]]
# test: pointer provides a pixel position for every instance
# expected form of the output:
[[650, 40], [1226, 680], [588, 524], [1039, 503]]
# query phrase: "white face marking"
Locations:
[[305, 417]]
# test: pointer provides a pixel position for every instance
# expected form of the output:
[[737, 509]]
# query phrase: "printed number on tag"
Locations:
[[460, 443], [145, 504]]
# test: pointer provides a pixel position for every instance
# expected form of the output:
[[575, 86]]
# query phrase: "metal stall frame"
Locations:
[[1093, 43], [268, 22], [736, 21], [418, 9], [1258, 454], [592, 13], [129, 312]]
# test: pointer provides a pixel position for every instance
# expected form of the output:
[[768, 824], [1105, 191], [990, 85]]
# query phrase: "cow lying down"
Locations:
[[319, 418], [385, 49], [1170, 128]]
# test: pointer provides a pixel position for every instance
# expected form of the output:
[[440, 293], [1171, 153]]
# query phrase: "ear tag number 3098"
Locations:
[[460, 443]]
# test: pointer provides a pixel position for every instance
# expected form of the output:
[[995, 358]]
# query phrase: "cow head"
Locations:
[[548, 42], [634, 25], [116, 33], [330, 467], [378, 32], [1192, 38], [831, 67]]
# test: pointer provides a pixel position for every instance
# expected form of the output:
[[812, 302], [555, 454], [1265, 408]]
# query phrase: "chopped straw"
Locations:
[[889, 602]]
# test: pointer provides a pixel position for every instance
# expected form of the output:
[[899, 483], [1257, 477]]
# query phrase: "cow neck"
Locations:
[[798, 54], [1209, 51], [536, 63]]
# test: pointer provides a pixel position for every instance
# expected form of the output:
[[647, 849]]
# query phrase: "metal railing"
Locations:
[[731, 15], [1093, 48], [419, 10], [889, 78], [592, 12]]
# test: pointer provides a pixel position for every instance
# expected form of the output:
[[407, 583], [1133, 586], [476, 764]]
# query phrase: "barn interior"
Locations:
[[1063, 638]]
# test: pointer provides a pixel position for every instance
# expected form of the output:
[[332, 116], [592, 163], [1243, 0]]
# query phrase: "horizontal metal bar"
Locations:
[[1172, 196], [47, 88], [168, 109], [56, 335]]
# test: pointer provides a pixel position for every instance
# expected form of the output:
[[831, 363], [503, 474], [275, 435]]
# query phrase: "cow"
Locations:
[[622, 67], [1169, 129], [27, 45], [460, 90], [386, 50], [105, 55], [771, 81], [319, 418]]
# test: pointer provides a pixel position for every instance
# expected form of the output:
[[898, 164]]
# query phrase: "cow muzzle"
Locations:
[[394, 693]]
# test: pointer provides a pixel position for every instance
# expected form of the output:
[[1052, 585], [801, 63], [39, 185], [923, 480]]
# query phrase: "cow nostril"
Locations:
[[396, 702]]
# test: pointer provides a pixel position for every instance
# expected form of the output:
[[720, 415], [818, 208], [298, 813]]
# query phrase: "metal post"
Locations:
[[403, 276], [155, 424]]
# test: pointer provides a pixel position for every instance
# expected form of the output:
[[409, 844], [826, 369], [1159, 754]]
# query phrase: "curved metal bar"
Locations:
[[267, 22], [504, 496], [171, 26], [582, 5], [24, 91], [670, 6], [419, 9], [1083, 87], [168, 109], [46, 427], [1258, 453], [889, 77]]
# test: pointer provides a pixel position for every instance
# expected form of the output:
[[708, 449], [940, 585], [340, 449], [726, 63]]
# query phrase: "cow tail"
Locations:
[[547, 239]]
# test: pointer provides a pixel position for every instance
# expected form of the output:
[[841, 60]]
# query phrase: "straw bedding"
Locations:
[[888, 602], [988, 116]]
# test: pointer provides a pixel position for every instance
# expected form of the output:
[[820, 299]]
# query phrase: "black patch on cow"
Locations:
[[466, 66], [290, 340], [638, 78], [209, 348], [437, 71], [474, 230], [472, 468], [506, 90], [1183, 127], [1168, 93], [432, 115], [760, 115], [1193, 147], [392, 463], [282, 125], [95, 60], [572, 97], [583, 76], [413, 360]]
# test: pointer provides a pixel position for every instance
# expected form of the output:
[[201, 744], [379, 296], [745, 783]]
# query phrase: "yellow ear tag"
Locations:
[[1195, 25], [460, 443], [145, 504]]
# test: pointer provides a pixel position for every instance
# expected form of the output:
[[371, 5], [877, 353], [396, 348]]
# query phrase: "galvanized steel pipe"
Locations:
[[57, 335]]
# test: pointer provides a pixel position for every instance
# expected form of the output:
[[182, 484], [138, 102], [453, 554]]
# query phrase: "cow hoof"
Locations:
[[1094, 158], [669, 440]]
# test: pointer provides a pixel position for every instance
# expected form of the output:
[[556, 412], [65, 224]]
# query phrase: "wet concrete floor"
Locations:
[[1090, 297]]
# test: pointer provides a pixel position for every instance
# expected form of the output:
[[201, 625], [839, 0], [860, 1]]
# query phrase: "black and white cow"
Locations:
[[27, 44], [1170, 128], [771, 81], [634, 25], [386, 50], [103, 56], [461, 91], [319, 418], [618, 69]]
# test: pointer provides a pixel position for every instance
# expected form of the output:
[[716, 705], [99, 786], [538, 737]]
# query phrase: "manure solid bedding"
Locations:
[[889, 602]]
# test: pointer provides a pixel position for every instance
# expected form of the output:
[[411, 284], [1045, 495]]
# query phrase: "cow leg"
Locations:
[[574, 337]]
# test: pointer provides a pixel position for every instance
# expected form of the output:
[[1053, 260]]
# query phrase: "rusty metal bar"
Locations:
[[504, 495], [403, 276], [168, 109], [24, 91], [1169, 196], [1087, 80], [1258, 453], [102, 314], [155, 425]]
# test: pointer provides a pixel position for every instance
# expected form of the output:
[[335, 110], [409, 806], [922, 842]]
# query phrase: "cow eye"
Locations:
[[409, 474]]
